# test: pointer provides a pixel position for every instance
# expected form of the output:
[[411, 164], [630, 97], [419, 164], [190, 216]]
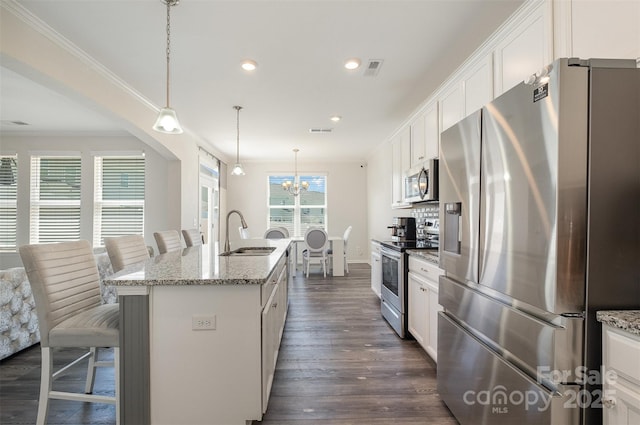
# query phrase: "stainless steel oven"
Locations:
[[394, 289]]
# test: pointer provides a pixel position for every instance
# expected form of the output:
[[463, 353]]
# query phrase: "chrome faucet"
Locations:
[[227, 248]]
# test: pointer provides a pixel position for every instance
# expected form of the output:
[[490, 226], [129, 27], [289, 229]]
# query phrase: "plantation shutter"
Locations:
[[119, 197], [55, 199], [8, 202]]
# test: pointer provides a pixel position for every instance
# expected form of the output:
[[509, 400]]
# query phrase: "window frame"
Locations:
[[9, 209], [298, 227]]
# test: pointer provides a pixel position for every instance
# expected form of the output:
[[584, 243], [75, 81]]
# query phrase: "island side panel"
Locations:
[[205, 376], [134, 360]]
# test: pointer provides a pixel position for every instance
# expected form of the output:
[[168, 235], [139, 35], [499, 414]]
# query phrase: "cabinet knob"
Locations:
[[274, 305], [609, 403]]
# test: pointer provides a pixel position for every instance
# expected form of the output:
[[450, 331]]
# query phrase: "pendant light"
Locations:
[[294, 187], [167, 121], [237, 168]]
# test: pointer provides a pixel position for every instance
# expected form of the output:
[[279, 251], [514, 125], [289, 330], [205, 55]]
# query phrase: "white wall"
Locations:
[[346, 203], [159, 186]]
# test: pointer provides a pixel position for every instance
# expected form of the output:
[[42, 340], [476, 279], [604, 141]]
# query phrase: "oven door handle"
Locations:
[[391, 254]]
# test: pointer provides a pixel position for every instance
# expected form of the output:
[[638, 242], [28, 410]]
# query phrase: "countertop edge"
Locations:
[[626, 320]]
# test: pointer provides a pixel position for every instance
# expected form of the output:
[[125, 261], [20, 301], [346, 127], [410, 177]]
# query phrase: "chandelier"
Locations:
[[293, 187], [167, 121]]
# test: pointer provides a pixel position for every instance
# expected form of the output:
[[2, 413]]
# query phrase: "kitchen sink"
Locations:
[[249, 251]]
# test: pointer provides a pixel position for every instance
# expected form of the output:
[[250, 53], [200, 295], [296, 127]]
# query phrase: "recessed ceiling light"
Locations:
[[249, 65], [335, 118], [353, 63]]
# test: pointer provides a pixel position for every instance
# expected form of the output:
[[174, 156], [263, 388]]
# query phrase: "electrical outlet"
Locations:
[[203, 323]]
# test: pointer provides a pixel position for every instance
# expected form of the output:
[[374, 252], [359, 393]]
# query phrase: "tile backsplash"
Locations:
[[424, 212]]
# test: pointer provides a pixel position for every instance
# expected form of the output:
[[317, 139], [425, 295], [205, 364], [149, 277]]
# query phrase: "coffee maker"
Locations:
[[403, 229]]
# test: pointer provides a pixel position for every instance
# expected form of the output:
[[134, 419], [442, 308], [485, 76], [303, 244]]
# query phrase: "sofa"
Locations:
[[18, 318]]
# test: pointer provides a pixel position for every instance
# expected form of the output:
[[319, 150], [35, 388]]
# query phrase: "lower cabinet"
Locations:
[[376, 269], [423, 304], [273, 318], [621, 400]]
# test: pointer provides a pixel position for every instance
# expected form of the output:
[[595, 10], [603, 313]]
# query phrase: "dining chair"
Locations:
[[244, 233], [126, 250], [192, 237], [276, 233], [168, 240], [345, 239], [316, 241], [66, 289]]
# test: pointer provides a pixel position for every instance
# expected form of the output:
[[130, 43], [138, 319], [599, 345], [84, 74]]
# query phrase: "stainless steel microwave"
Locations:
[[421, 183]]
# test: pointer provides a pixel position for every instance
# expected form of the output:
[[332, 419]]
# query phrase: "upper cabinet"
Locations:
[[525, 49], [425, 135], [400, 157], [478, 85], [451, 105]]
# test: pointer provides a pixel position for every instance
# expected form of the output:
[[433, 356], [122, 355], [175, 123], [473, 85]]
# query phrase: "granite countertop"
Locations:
[[430, 255], [626, 320], [200, 266]]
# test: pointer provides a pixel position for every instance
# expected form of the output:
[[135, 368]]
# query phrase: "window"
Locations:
[[8, 204], [118, 207], [298, 213], [55, 199]]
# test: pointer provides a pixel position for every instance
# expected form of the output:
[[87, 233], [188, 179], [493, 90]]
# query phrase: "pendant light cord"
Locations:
[[237, 108], [169, 2]]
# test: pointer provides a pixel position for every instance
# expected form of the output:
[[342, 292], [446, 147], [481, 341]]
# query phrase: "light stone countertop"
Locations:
[[626, 320], [199, 266], [430, 255]]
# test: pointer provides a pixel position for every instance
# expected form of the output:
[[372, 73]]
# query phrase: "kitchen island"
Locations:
[[200, 334]]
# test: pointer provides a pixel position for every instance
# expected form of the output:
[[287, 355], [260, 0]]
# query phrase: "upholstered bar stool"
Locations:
[[192, 237], [126, 250], [276, 233], [65, 283], [168, 240]]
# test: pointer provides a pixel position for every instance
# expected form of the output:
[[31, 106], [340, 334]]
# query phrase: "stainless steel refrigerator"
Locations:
[[540, 228]]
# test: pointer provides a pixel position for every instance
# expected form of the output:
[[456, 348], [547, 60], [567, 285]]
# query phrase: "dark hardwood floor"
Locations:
[[339, 364]]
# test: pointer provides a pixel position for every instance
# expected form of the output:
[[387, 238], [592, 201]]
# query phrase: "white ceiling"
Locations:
[[300, 47]]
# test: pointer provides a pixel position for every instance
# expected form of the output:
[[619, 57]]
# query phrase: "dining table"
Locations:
[[336, 244]]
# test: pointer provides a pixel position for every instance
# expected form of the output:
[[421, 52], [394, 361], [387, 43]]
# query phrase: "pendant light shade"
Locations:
[[167, 121], [237, 169]]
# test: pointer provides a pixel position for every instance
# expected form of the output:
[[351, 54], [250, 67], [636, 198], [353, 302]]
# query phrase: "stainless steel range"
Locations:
[[395, 262]]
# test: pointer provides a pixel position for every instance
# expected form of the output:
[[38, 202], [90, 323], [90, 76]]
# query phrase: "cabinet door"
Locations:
[[451, 106], [431, 131], [418, 154], [478, 86], [269, 345], [434, 308], [400, 164], [418, 299], [376, 273], [525, 50], [621, 403]]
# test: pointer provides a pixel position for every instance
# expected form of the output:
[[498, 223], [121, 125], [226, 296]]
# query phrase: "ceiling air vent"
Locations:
[[320, 130], [373, 67]]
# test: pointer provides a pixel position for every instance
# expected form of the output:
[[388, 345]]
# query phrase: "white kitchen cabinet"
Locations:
[[418, 145], [598, 29], [478, 85], [376, 269], [525, 49], [425, 135], [621, 399], [451, 105], [431, 131], [423, 303], [273, 318], [401, 150]]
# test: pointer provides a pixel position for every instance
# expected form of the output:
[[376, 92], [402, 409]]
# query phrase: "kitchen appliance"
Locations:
[[421, 183], [429, 232], [539, 209], [403, 229]]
